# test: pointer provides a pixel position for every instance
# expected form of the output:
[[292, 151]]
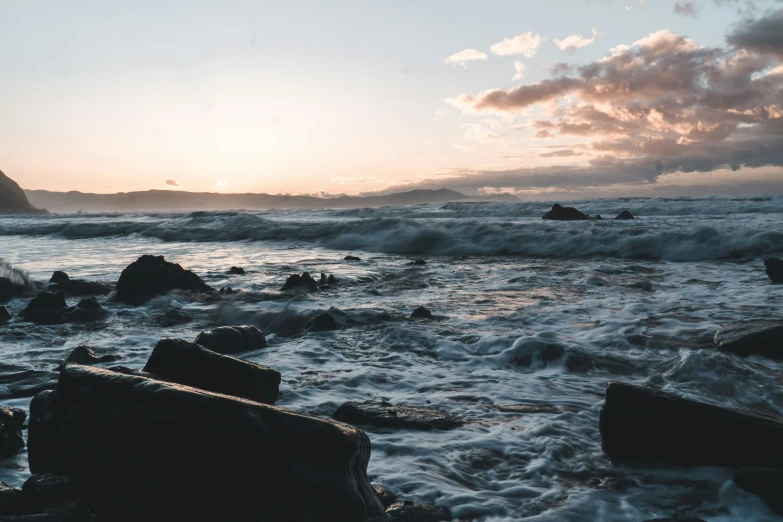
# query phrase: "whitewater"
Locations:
[[634, 301]]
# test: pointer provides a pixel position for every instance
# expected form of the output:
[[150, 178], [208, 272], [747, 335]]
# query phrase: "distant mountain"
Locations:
[[174, 200], [13, 199]]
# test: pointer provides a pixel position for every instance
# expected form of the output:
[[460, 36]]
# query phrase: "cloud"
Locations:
[[561, 154], [221, 183], [684, 9], [172, 183], [526, 44], [543, 134], [467, 55], [576, 41], [764, 35], [519, 67]]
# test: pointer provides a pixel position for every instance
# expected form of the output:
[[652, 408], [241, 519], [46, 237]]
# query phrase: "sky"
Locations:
[[557, 98]]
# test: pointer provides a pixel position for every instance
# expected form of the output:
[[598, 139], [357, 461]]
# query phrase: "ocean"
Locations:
[[634, 301]]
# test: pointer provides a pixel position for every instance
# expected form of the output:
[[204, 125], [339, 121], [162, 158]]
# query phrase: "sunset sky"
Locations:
[[576, 97]]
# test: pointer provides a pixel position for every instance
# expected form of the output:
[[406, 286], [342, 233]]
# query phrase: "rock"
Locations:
[[232, 339], [88, 309], [227, 290], [143, 448], [59, 277], [13, 199], [562, 213], [624, 215], [5, 315], [150, 276], [754, 338], [303, 281], [645, 426], [351, 258], [322, 323], [173, 317], [418, 262], [11, 501], [10, 289], [57, 494], [236, 270], [21, 381], [386, 415], [386, 497], [46, 308], [86, 356], [765, 483], [331, 280], [11, 422], [183, 362], [412, 512], [774, 269], [421, 313], [76, 287]]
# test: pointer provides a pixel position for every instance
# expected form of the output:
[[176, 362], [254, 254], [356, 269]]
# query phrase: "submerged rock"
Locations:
[[755, 338], [303, 281], [232, 339], [236, 270], [562, 213], [646, 426], [412, 512], [86, 356], [173, 317], [351, 258], [11, 422], [323, 323], [765, 483], [774, 269], [386, 415], [46, 308], [88, 309], [625, 215], [148, 450], [183, 362], [418, 262], [150, 276], [421, 313]]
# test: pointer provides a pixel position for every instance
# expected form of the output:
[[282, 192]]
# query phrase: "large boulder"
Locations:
[[754, 338], [76, 287], [150, 276], [11, 422], [232, 339], [183, 362], [646, 426], [562, 213], [149, 450], [765, 483], [13, 199], [387, 415], [774, 269]]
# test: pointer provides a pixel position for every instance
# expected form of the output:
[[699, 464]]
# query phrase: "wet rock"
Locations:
[[227, 290], [21, 381], [421, 313], [46, 308], [562, 213], [386, 415], [11, 501], [303, 281], [10, 289], [624, 215], [76, 287], [412, 512], [646, 426], [86, 356], [236, 270], [55, 494], [351, 258], [88, 309], [150, 276], [59, 277], [173, 317], [143, 448], [11, 422], [322, 323], [385, 495], [183, 362], [774, 269], [331, 280], [418, 262], [232, 339], [765, 483], [755, 338], [5, 315]]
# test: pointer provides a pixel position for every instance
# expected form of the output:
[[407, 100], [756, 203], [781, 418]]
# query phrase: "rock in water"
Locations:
[[86, 356], [765, 483], [421, 313], [5, 315], [183, 362], [11, 421], [232, 339], [236, 270], [46, 308], [351, 258], [148, 450], [756, 338], [150, 276], [303, 281], [412, 512], [624, 215], [323, 323], [562, 213], [641, 425], [774, 269], [59, 277], [384, 414]]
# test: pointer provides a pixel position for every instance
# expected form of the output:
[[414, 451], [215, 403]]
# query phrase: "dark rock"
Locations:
[[236, 270], [774, 269], [227, 290], [80, 287], [303, 281], [10, 289], [11, 422], [331, 280], [419, 262], [765, 483], [562, 213], [5, 315], [173, 317], [756, 338], [351, 258], [641, 425], [421, 313], [86, 356], [150, 276], [46, 308], [148, 450], [59, 277], [183, 362], [624, 215], [412, 512], [50, 493], [386, 497], [21, 381], [322, 323], [11, 501], [232, 339], [88, 309], [386, 415]]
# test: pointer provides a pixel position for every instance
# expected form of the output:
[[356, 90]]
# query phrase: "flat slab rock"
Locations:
[[755, 338], [387, 415]]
